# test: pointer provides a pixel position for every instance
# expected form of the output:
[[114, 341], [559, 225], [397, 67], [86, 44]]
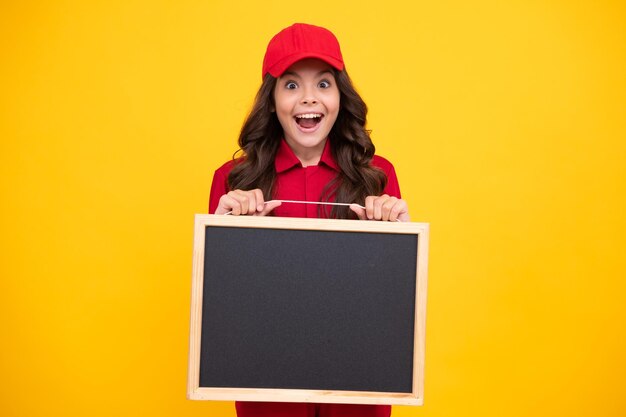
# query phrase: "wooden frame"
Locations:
[[196, 392]]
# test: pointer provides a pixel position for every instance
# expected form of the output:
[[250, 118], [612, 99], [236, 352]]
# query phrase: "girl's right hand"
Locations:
[[251, 203]]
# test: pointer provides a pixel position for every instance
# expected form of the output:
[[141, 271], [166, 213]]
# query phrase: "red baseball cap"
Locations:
[[300, 41]]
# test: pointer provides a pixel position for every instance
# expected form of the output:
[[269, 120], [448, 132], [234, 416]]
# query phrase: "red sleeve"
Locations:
[[219, 186], [392, 188]]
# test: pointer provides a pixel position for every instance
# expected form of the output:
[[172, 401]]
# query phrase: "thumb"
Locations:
[[404, 217], [360, 211], [269, 206]]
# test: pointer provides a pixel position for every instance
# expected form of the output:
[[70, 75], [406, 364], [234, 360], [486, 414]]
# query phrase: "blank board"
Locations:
[[308, 310]]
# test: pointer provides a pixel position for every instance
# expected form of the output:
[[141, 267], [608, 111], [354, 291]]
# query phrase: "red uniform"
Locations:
[[295, 182]]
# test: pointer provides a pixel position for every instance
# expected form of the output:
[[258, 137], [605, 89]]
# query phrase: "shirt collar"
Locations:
[[286, 159]]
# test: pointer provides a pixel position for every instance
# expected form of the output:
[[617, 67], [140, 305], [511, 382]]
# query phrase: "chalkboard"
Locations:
[[308, 310]]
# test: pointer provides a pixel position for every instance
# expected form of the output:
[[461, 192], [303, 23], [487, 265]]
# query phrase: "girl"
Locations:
[[305, 141]]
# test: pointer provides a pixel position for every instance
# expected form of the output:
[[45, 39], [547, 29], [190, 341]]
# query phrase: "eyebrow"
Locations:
[[293, 74]]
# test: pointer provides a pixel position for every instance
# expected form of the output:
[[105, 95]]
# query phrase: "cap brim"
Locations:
[[281, 66]]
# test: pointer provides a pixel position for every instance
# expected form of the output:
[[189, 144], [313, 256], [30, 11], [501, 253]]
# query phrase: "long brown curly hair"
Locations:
[[350, 142]]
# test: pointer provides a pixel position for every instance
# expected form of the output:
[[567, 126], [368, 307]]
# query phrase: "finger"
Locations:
[[221, 205], [247, 201], [386, 208], [369, 206], [403, 216], [258, 196], [269, 206], [360, 211], [228, 204], [378, 206], [397, 209]]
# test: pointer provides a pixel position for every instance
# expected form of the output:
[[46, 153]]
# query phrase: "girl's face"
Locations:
[[307, 104]]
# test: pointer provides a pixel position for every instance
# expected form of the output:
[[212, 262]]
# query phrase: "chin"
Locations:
[[310, 142]]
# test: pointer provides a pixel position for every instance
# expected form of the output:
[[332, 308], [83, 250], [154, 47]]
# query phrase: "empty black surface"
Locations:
[[298, 309]]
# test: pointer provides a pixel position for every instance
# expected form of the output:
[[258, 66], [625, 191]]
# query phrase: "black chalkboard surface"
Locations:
[[308, 310]]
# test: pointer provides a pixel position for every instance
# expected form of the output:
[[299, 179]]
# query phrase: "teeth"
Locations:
[[308, 116]]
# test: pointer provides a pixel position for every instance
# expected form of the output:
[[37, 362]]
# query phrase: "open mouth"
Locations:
[[308, 120]]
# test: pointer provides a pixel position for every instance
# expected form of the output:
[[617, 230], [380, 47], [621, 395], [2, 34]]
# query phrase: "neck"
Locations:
[[308, 156]]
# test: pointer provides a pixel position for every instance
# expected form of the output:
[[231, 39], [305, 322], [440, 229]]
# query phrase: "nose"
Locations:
[[308, 96], [309, 100]]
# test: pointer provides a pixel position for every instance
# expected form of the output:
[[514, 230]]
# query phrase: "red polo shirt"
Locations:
[[295, 182]]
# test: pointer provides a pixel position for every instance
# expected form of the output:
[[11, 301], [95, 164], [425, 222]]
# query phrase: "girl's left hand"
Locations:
[[383, 208]]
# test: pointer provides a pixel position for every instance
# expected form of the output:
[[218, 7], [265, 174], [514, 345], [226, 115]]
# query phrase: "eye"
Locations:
[[324, 84], [290, 85]]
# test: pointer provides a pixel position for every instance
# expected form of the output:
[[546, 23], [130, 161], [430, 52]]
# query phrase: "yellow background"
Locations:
[[505, 121]]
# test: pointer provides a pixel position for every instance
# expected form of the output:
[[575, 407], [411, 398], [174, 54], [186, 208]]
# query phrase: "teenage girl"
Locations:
[[305, 140]]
